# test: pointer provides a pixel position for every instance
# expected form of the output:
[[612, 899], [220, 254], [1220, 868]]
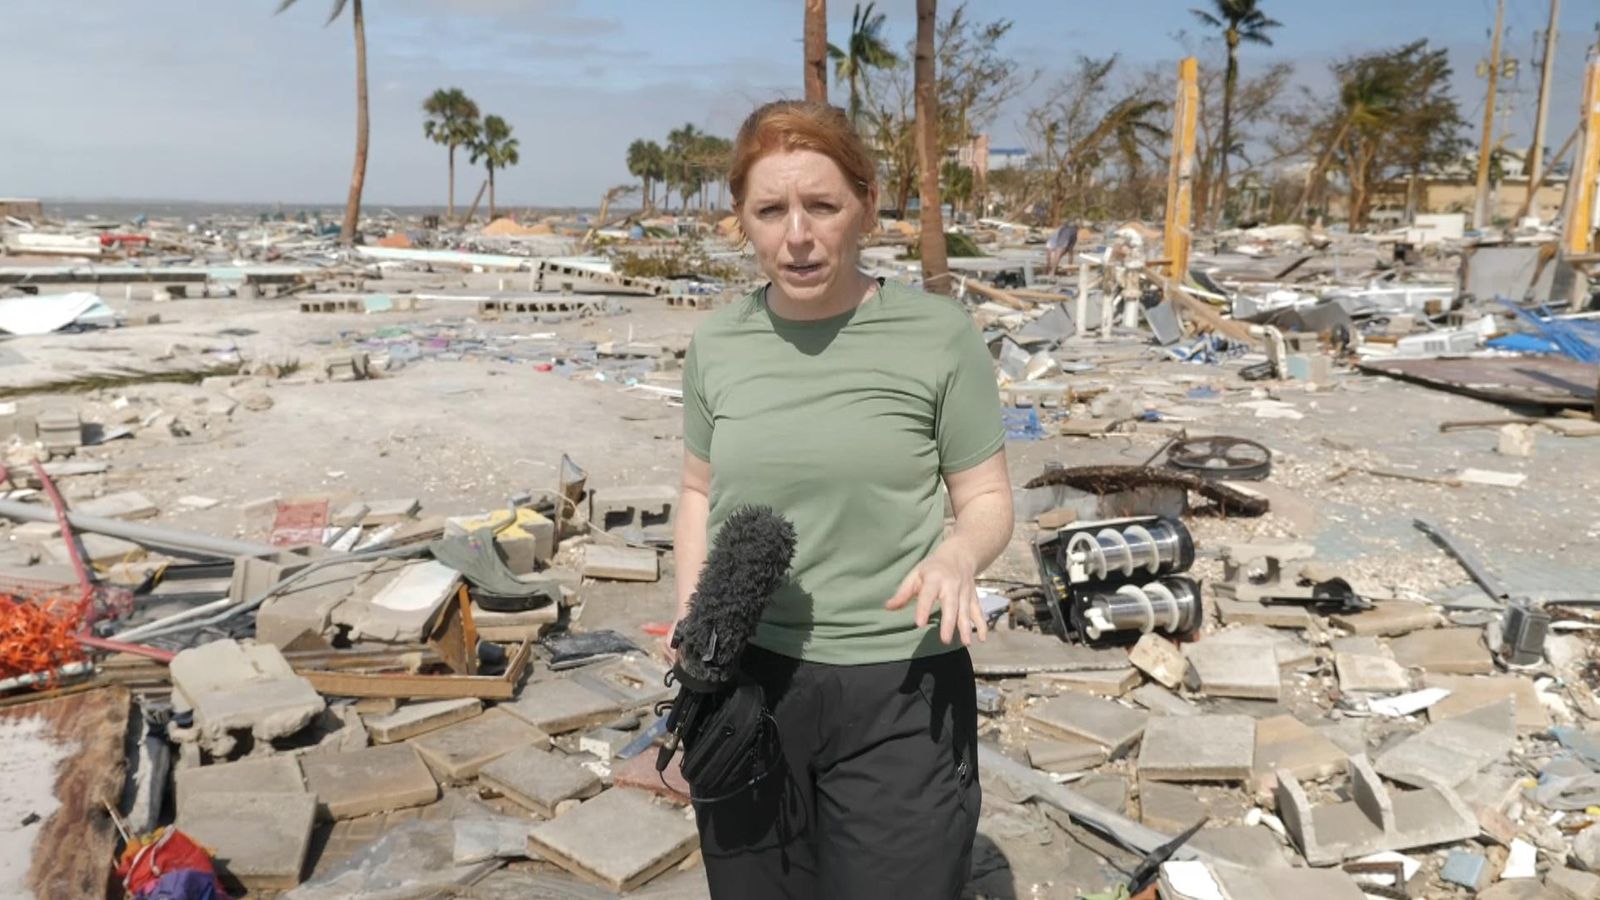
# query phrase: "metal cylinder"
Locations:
[[1157, 547], [1170, 605], [167, 540]]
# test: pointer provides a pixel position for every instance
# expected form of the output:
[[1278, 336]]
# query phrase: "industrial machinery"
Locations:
[[1114, 580]]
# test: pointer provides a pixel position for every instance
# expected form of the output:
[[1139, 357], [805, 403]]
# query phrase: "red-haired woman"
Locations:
[[844, 402]]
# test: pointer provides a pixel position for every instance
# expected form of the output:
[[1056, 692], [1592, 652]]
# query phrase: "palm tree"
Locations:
[[1369, 96], [935, 262], [452, 121], [497, 149], [646, 162], [866, 50], [1239, 20], [682, 164], [358, 177], [816, 49]]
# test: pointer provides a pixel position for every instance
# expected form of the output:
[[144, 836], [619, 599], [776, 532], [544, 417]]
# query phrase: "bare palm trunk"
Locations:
[[1318, 172], [816, 48], [491, 193], [358, 177], [935, 265], [1229, 82], [450, 210]]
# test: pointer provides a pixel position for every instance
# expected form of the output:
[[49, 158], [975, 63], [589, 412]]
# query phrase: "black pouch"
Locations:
[[729, 739]]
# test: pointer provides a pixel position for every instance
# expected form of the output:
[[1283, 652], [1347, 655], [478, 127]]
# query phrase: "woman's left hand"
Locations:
[[946, 580]]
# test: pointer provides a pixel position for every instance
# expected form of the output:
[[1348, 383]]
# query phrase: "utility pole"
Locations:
[[1480, 210], [1546, 65], [1179, 231]]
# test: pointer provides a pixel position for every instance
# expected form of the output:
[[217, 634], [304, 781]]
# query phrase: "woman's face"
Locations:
[[805, 222]]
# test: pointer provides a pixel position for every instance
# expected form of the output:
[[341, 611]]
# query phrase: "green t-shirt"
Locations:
[[844, 426]]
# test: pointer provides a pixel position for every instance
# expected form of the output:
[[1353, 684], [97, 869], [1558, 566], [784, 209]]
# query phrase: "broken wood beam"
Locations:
[[1004, 298], [1202, 313], [403, 686]]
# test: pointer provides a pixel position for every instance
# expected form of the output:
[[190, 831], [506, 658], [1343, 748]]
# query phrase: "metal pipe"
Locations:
[[168, 540]]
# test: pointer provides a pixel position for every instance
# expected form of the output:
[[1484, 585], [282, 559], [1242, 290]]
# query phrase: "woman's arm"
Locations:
[[689, 536], [947, 579]]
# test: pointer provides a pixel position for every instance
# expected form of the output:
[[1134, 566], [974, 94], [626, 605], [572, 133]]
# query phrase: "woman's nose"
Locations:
[[799, 226]]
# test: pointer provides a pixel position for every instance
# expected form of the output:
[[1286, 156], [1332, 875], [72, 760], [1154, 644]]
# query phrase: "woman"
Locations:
[[843, 403]]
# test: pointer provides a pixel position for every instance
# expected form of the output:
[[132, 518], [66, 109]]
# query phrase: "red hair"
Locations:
[[785, 125]]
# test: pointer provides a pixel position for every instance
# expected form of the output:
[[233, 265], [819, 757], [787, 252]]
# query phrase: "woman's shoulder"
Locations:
[[941, 314], [730, 318]]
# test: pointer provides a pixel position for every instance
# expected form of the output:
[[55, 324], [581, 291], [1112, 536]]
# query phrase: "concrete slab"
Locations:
[[1387, 619], [403, 607], [620, 563], [1105, 722], [1571, 884], [1359, 645], [1468, 693], [1361, 673], [1106, 789], [1276, 884], [1161, 701], [1104, 683], [1198, 748], [559, 705], [1159, 658], [420, 718], [1444, 651], [539, 779], [1064, 755], [370, 780], [1169, 807], [619, 840], [121, 505], [1018, 651], [1252, 846], [1285, 743], [1269, 615], [233, 687], [458, 752], [259, 839], [268, 775], [634, 681], [640, 772], [1452, 751], [1219, 669], [1374, 820]]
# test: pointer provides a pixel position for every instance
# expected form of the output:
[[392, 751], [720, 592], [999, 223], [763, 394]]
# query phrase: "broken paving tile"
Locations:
[[539, 779], [1252, 846], [260, 839], [1159, 658], [1222, 670], [1169, 807], [1363, 674], [233, 687], [1469, 692], [640, 772], [459, 751], [1386, 619], [1019, 651], [1198, 748], [420, 718], [268, 775], [559, 705], [619, 840], [1161, 701], [1064, 755], [1105, 683], [1106, 722], [370, 780], [1451, 751], [1284, 742], [123, 505], [1444, 651]]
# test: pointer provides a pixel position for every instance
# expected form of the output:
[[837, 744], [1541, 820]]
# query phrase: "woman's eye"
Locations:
[[826, 209], [767, 212]]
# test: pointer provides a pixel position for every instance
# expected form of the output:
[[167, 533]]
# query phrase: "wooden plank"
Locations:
[[76, 740], [432, 687]]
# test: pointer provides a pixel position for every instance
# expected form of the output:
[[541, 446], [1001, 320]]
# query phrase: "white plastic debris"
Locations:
[[1192, 880], [1408, 868], [1408, 704], [1521, 861]]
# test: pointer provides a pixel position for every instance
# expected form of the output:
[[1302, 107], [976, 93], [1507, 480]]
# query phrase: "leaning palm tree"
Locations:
[[358, 177], [496, 148], [1370, 94], [1239, 20], [452, 121], [866, 50]]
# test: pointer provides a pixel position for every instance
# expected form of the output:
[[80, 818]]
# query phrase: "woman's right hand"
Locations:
[[665, 643]]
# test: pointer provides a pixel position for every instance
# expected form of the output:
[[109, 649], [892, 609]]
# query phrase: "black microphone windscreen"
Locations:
[[747, 563]]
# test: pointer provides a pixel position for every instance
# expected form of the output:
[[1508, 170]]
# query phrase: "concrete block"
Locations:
[[1361, 673], [1159, 658], [122, 505], [1571, 884], [237, 688], [639, 507], [1468, 693], [619, 840], [1451, 751], [605, 743], [539, 779], [1444, 651], [1284, 743], [1161, 701], [304, 608], [370, 780], [559, 705], [259, 839], [1105, 682], [403, 606], [457, 752], [1169, 807], [1198, 748], [1387, 619], [1373, 820], [620, 563], [392, 511], [420, 718], [268, 775], [1105, 722], [1219, 669], [1067, 755], [527, 543]]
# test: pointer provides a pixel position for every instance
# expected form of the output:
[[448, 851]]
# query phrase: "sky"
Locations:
[[221, 100]]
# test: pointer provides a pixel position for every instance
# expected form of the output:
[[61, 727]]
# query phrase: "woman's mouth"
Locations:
[[803, 271]]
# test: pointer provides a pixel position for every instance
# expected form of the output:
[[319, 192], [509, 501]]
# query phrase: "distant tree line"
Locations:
[[689, 165]]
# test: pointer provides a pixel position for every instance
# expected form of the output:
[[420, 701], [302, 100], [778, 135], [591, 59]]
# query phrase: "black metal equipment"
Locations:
[[1114, 580]]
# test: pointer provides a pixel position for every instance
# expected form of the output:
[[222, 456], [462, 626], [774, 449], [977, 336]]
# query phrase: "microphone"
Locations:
[[746, 565]]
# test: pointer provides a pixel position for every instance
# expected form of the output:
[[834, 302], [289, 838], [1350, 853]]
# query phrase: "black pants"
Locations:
[[876, 795]]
